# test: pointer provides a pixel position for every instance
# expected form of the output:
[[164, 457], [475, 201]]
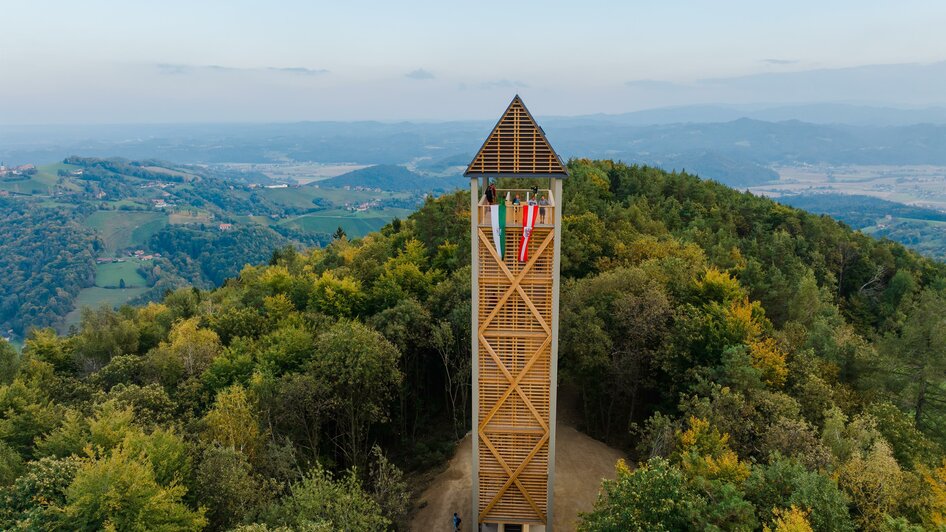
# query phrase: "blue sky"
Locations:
[[175, 61]]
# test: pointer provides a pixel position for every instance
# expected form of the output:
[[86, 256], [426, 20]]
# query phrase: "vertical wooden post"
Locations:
[[553, 370], [475, 348]]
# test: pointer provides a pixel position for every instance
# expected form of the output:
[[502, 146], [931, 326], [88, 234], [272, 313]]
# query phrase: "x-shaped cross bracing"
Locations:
[[514, 380]]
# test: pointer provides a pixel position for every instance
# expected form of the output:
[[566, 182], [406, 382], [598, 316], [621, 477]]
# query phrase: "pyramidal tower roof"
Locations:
[[517, 147]]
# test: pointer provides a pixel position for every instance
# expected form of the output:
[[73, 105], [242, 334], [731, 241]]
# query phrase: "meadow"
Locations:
[[355, 225], [110, 275], [124, 229], [96, 297]]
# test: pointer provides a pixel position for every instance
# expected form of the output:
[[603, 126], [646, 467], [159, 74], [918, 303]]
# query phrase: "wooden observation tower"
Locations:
[[515, 323]]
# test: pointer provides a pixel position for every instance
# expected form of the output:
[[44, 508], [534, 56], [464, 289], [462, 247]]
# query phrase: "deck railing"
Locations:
[[514, 211]]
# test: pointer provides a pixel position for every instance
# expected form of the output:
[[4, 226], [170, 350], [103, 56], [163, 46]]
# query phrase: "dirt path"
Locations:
[[580, 464]]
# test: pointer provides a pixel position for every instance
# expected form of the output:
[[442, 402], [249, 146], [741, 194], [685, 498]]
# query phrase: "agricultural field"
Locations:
[[919, 185], [170, 172], [190, 216], [301, 197], [95, 297], [41, 183], [355, 225], [124, 229], [110, 275], [301, 173]]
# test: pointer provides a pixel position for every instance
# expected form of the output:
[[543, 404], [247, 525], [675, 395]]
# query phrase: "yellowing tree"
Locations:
[[232, 423], [194, 347], [790, 520], [704, 452], [769, 359], [936, 499], [874, 482]]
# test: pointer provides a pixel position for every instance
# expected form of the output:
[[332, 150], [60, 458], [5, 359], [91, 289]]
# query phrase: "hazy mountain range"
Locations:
[[737, 145]]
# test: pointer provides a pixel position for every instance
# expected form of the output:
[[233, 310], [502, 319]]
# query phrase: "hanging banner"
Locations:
[[530, 213], [498, 221]]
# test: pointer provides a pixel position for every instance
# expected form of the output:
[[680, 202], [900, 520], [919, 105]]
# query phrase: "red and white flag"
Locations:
[[530, 213]]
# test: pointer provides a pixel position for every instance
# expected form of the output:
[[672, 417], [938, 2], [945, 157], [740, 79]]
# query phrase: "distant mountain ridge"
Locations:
[[390, 177], [815, 113], [735, 145]]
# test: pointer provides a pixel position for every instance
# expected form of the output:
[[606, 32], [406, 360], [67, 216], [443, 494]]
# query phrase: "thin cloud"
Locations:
[[780, 61], [299, 70], [504, 84], [652, 84], [420, 73], [181, 69], [495, 84]]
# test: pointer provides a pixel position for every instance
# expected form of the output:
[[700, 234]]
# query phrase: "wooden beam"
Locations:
[[514, 281], [514, 383]]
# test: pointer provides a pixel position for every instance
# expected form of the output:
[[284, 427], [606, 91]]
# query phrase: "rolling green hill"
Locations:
[[126, 204], [391, 177], [918, 228]]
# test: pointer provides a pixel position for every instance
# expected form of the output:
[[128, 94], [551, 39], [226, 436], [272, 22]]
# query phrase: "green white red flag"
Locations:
[[530, 213], [497, 214]]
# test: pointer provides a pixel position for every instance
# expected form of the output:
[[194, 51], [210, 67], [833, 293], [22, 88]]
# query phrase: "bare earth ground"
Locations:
[[580, 464]]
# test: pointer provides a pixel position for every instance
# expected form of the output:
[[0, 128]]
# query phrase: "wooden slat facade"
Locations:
[[517, 147], [515, 337]]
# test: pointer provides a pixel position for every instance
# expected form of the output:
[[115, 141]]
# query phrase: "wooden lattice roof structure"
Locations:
[[517, 147]]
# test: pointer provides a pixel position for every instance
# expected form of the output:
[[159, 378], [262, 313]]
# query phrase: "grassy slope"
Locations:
[[355, 224], [95, 297], [112, 274], [122, 229], [302, 197], [40, 183]]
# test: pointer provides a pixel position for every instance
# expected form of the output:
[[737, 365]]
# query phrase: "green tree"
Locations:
[[613, 326], [785, 483], [70, 438], [36, 499], [388, 488], [27, 413], [919, 354], [321, 501], [104, 334], [654, 497], [361, 370], [11, 465], [227, 486], [9, 362], [119, 492], [47, 346]]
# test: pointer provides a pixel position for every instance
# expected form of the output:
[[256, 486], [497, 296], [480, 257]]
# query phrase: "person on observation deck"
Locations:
[[542, 202], [491, 194]]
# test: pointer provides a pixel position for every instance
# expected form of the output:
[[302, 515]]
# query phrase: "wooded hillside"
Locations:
[[766, 366]]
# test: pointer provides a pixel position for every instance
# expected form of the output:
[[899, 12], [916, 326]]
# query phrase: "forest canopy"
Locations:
[[763, 367]]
